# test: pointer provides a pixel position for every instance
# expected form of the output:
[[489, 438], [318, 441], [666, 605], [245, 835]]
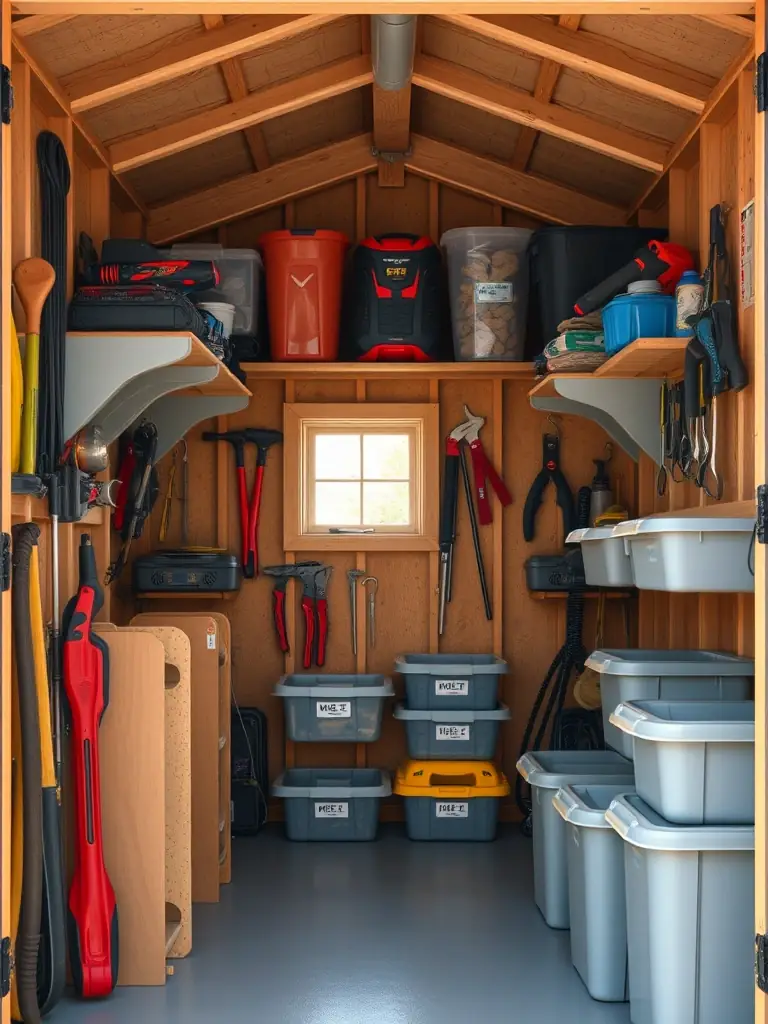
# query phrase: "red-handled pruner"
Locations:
[[314, 605], [484, 471]]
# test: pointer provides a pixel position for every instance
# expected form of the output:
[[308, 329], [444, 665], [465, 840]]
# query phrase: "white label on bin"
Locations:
[[328, 810], [334, 709], [452, 809], [451, 732], [493, 291], [452, 687]]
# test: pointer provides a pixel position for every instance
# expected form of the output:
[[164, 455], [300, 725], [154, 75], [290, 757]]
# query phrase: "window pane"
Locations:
[[386, 456], [337, 456], [337, 504], [386, 504]]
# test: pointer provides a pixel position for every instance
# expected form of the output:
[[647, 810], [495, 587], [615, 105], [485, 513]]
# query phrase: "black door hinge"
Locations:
[[761, 974], [5, 562], [761, 82], [6, 967], [6, 94], [762, 514]]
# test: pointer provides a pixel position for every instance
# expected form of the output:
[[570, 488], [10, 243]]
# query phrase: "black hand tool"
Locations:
[[550, 472]]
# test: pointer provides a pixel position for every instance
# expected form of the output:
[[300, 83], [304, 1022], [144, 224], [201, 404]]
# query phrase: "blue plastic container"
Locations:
[[628, 317]]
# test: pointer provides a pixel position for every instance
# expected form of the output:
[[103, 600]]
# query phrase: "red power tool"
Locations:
[[664, 262], [132, 261], [93, 931]]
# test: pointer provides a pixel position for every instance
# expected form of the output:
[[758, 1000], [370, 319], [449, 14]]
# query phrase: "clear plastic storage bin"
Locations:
[[240, 271], [334, 708], [488, 284]]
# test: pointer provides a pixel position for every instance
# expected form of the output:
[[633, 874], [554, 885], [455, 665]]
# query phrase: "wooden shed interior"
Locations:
[[218, 127]]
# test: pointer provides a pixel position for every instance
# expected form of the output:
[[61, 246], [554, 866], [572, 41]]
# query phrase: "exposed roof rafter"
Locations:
[[648, 7]]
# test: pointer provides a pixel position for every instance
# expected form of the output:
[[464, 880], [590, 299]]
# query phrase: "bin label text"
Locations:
[[329, 810], [451, 732], [334, 709], [493, 291], [452, 687], [452, 809]]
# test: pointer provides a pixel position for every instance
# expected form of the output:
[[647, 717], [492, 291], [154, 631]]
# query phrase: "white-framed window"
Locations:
[[361, 476]]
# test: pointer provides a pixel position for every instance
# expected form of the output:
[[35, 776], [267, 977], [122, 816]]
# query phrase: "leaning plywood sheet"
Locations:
[[178, 786], [203, 632], [132, 751]]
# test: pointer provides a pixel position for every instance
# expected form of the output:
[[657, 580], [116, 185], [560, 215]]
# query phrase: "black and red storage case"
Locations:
[[395, 308]]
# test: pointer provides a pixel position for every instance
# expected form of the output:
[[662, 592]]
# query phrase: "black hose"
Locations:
[[28, 937], [53, 167], [554, 688]]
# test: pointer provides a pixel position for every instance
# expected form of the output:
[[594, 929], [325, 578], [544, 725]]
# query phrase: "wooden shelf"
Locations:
[[647, 357], [483, 370], [590, 595], [203, 595]]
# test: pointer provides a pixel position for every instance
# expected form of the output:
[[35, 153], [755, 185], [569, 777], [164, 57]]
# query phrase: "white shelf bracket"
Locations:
[[626, 409], [174, 415]]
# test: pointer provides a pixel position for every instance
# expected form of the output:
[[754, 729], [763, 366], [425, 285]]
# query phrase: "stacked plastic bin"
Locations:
[[661, 878], [333, 804], [452, 714]]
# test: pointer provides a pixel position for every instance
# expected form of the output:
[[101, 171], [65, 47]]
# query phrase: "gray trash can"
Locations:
[[334, 708], [694, 760], [451, 682], [332, 804], [628, 675], [452, 735], [690, 912], [596, 893], [546, 771]]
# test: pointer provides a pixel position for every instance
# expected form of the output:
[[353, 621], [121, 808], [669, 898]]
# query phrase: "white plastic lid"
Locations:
[[585, 806], [648, 662], [516, 239], [213, 251], [684, 524], [553, 769], [640, 826], [501, 713], [644, 288], [696, 721], [588, 533]]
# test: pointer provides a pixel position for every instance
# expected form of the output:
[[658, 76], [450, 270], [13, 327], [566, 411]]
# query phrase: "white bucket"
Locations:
[[223, 311]]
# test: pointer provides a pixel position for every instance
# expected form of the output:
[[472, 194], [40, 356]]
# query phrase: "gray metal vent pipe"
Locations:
[[393, 44]]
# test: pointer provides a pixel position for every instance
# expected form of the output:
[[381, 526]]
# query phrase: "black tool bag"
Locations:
[[250, 771]]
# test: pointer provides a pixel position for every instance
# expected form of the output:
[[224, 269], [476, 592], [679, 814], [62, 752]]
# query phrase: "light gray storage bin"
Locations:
[[694, 760], [690, 554], [596, 895], [452, 735], [334, 708], [606, 558], [690, 911], [332, 804], [451, 682], [631, 675], [546, 771]]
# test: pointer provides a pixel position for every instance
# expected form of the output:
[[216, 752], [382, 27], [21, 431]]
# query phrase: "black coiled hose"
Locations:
[[55, 179], [554, 688], [28, 936]]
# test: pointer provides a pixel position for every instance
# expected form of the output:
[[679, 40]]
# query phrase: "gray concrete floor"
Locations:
[[391, 932]]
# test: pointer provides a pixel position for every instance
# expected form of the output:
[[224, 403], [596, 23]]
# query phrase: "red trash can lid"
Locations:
[[316, 234]]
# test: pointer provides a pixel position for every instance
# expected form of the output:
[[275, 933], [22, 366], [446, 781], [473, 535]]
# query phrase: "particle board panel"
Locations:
[[330, 121], [332, 208], [449, 121], [298, 56], [586, 171], [439, 39]]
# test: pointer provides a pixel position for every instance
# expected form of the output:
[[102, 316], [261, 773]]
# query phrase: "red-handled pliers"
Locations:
[[314, 605], [484, 471]]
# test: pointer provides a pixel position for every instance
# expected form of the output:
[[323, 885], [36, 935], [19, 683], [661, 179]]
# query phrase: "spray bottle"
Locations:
[[602, 495]]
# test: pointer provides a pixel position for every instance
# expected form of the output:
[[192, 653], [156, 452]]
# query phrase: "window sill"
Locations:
[[359, 542]]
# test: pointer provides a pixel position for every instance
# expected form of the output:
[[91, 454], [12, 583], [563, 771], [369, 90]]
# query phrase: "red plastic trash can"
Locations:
[[304, 270]]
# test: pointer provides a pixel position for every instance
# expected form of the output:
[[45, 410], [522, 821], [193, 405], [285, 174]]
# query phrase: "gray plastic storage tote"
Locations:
[[596, 893], [452, 735], [334, 708], [332, 804], [665, 675], [606, 557], [690, 554], [451, 801], [451, 682], [690, 911], [546, 771], [694, 760]]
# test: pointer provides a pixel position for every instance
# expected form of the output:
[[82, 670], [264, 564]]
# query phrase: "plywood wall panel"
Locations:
[[323, 123], [445, 119], [298, 56], [460, 210], [408, 211], [500, 62], [332, 208]]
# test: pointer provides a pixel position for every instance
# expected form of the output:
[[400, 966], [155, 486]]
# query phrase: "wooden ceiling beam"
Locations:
[[732, 22], [544, 90], [338, 7], [497, 182], [237, 89], [460, 84], [251, 192], [133, 72], [255, 108], [594, 55], [26, 27]]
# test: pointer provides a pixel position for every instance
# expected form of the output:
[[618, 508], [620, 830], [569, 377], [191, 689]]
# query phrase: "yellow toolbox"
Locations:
[[451, 800]]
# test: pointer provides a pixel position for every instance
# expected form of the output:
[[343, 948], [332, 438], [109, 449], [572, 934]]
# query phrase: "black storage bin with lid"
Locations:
[[568, 261]]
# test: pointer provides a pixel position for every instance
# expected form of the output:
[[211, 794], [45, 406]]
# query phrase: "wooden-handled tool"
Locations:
[[33, 280]]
